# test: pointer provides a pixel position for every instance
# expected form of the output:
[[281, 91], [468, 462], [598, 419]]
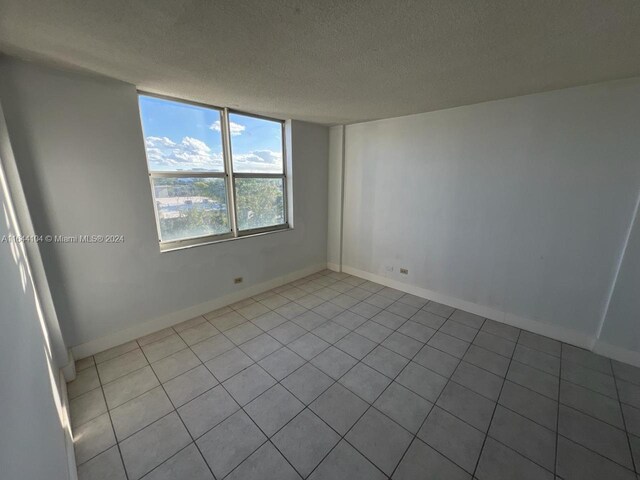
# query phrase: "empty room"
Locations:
[[325, 240]]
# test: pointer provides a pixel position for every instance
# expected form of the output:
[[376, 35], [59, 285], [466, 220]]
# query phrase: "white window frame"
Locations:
[[229, 176]]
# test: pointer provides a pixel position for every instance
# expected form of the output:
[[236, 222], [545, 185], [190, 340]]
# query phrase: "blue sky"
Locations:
[[181, 137]]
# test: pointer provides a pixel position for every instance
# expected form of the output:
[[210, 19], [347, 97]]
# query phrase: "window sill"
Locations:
[[201, 241]]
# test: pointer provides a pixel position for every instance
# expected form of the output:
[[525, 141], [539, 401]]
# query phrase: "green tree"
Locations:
[[260, 202], [204, 211]]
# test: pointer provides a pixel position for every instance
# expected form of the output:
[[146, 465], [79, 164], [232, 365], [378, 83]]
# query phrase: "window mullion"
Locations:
[[284, 174], [228, 168]]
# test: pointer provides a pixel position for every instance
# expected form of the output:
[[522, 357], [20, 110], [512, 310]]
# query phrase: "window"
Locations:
[[215, 174]]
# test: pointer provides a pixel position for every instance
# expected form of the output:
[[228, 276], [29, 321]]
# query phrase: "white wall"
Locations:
[[516, 209], [621, 328], [32, 422], [80, 152]]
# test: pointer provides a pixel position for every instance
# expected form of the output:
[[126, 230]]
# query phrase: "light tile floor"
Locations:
[[334, 377]]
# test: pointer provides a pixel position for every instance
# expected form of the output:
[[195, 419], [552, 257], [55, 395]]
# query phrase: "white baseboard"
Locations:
[[334, 266], [572, 337], [617, 353], [150, 326], [69, 370], [71, 453]]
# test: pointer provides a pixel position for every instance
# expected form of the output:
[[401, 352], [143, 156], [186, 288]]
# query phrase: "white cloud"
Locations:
[[196, 145], [164, 154], [234, 128], [153, 141], [266, 161], [192, 154]]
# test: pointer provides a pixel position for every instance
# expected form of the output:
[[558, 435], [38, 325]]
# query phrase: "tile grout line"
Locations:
[[624, 429], [484, 442], [336, 381], [450, 380], [309, 361], [278, 382], [557, 433], [598, 454], [268, 438], [177, 414], [109, 410], [377, 344], [239, 346], [242, 407], [333, 383], [371, 405], [246, 319], [497, 402], [115, 437], [555, 464], [624, 422], [201, 363], [172, 456], [435, 402]]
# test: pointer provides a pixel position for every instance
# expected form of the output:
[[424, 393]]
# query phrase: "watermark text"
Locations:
[[84, 238]]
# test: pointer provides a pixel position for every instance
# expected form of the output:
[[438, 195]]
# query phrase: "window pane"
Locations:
[[181, 137], [191, 207], [256, 144], [259, 202]]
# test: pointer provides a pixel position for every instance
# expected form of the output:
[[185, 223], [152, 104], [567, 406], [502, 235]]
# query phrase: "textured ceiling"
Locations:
[[333, 61]]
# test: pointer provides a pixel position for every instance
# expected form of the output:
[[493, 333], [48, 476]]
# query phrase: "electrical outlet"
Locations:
[[404, 271], [237, 280]]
